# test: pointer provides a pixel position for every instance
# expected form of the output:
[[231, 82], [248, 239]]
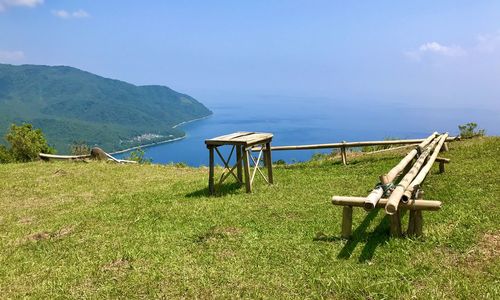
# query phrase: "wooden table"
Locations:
[[242, 142]]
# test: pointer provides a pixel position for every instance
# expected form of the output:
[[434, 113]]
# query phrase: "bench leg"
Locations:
[[239, 167], [246, 167], [211, 186], [269, 163], [441, 167], [346, 222], [419, 222], [395, 221]]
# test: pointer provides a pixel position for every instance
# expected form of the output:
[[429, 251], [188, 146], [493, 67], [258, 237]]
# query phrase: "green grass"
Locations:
[[97, 230]]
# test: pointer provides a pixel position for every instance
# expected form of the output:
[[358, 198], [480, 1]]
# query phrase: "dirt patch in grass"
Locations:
[[60, 172], [217, 233], [486, 251], [117, 265], [46, 235], [26, 220], [39, 236]]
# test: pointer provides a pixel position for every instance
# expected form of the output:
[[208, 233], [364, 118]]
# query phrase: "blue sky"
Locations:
[[444, 53]]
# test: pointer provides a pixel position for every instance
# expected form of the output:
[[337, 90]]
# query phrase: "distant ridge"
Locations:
[[71, 105]]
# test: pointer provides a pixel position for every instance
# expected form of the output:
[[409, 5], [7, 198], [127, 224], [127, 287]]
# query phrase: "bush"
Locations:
[[138, 156], [80, 148], [26, 143], [468, 131], [5, 155]]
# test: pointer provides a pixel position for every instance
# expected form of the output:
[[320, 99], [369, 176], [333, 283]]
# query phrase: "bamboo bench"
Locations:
[[406, 195]]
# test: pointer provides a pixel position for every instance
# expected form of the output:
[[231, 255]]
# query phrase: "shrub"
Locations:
[[280, 162], [5, 155], [468, 130], [80, 148], [26, 143], [138, 156]]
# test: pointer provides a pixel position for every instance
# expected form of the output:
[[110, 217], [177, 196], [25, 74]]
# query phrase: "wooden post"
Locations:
[[445, 147], [395, 220], [246, 167], [211, 172], [411, 223], [343, 154], [346, 222], [419, 222], [441, 167], [269, 163], [239, 167]]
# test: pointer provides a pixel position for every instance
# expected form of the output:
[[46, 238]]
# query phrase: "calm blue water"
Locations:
[[296, 121]]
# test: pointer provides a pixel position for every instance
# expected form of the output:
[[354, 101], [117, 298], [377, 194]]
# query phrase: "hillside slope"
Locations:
[[101, 230], [71, 105]]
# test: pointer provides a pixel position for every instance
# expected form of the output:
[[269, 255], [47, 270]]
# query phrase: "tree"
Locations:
[[27, 142], [468, 130]]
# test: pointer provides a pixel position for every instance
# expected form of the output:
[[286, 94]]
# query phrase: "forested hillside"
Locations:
[[71, 105]]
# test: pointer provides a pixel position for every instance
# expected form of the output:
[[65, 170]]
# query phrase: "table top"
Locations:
[[241, 138]]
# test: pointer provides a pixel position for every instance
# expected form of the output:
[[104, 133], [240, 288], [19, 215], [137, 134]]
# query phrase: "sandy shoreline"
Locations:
[[160, 142]]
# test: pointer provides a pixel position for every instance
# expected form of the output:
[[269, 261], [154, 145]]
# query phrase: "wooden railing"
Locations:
[[343, 146]]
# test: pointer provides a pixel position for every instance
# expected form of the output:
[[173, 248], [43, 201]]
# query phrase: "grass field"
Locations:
[[98, 230]]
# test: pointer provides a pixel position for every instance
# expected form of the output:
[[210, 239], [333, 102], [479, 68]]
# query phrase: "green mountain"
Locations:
[[71, 105]]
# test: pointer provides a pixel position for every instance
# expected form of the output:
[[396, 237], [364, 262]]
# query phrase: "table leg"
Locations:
[[246, 167], [239, 167], [269, 163], [211, 172]]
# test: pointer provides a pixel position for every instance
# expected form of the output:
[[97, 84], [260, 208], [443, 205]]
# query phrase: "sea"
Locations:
[[312, 120]]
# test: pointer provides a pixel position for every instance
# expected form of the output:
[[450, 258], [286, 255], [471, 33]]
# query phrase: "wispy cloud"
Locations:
[[64, 14], [435, 48], [11, 56], [488, 43], [4, 4]]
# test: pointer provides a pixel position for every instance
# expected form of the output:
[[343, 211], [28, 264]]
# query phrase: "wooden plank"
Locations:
[[227, 137]]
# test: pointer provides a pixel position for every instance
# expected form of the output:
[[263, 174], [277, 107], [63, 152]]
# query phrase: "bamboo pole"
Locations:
[[412, 204], [392, 205], [407, 159], [425, 169], [349, 144], [377, 192]]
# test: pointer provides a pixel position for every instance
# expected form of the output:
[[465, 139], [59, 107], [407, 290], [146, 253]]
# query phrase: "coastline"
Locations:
[[160, 142], [198, 119]]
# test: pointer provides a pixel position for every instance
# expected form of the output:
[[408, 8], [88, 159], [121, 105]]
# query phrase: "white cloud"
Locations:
[[4, 4], [488, 43], [434, 48], [64, 14], [11, 56]]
